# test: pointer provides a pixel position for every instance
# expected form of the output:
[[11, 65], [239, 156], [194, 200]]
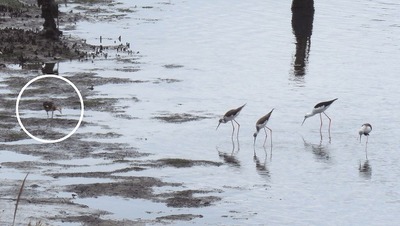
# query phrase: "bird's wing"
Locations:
[[325, 103]]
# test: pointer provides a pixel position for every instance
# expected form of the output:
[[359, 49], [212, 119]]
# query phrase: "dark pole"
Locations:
[[49, 13], [302, 24]]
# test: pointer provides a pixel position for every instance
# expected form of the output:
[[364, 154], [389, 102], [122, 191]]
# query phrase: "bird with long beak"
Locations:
[[230, 116], [262, 124], [318, 109], [50, 106]]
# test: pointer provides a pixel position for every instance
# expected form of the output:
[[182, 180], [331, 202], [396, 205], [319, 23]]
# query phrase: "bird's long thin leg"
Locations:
[[266, 136], [47, 114], [366, 146], [329, 129], [233, 146], [320, 117], [320, 128], [52, 114], [270, 130], [237, 133], [238, 127], [366, 151], [233, 129]]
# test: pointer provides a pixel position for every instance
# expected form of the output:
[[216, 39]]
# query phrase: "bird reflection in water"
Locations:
[[265, 151], [261, 167], [302, 24], [229, 158], [319, 150], [365, 169]]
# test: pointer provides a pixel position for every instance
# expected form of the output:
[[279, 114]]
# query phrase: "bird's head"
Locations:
[[255, 135], [305, 117], [219, 122], [360, 132]]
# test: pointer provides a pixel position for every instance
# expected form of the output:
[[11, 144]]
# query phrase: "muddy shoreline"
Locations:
[[42, 193]]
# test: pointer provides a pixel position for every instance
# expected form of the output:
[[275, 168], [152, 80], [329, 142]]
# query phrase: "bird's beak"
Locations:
[[218, 125], [303, 120], [360, 137], [255, 140]]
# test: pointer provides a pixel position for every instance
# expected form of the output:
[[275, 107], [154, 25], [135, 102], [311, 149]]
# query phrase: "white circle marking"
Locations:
[[19, 98]]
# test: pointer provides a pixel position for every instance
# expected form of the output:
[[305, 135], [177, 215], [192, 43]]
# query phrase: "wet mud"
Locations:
[[45, 201]]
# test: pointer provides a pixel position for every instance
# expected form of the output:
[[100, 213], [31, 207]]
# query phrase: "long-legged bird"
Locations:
[[262, 124], [365, 130], [318, 109], [230, 116], [50, 106]]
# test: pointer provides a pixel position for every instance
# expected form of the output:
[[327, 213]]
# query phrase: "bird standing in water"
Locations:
[[365, 130], [50, 106], [262, 124], [230, 116], [318, 109]]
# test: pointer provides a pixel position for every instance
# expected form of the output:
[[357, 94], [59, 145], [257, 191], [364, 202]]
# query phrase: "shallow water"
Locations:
[[244, 52]]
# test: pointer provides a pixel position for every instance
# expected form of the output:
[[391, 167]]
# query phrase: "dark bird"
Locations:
[[50, 106], [230, 116], [262, 124], [318, 109], [91, 87]]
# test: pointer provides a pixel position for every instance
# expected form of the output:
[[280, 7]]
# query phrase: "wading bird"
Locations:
[[318, 109], [230, 116], [365, 130], [50, 106], [262, 124]]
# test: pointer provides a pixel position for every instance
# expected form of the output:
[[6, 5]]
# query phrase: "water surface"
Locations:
[[236, 52]]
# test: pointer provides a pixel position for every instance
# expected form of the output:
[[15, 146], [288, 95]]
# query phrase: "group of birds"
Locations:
[[262, 122]]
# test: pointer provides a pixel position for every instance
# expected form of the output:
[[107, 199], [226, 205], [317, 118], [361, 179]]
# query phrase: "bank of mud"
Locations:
[[56, 171]]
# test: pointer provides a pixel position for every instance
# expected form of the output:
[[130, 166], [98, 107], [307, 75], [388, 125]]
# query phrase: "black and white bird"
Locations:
[[318, 109], [262, 124], [365, 130], [230, 116], [50, 106]]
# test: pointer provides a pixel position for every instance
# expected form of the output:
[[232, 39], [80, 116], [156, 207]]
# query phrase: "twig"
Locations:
[[18, 198]]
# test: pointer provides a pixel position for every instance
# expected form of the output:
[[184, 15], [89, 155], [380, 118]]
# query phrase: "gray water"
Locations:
[[236, 52]]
